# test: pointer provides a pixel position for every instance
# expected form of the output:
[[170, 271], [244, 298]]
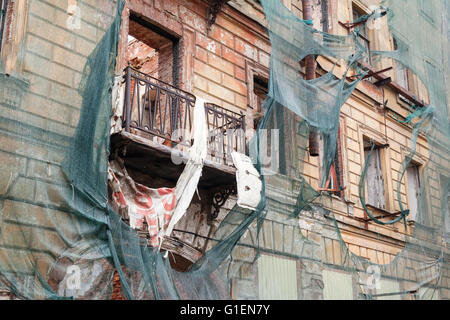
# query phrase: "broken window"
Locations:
[[158, 109], [3, 18], [413, 185], [151, 50], [334, 183], [401, 72], [374, 178], [337, 285]]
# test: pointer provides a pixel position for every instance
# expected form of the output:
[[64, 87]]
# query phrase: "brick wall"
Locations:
[[35, 133]]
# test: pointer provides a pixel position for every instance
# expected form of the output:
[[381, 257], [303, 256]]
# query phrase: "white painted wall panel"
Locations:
[[337, 285], [277, 278]]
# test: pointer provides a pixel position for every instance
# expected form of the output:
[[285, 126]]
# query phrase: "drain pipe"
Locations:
[[310, 73]]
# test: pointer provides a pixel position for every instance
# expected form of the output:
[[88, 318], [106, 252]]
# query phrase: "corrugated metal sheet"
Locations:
[[337, 285], [389, 286], [277, 278]]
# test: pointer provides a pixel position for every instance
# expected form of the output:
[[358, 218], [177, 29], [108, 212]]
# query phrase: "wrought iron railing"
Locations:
[[226, 131], [164, 113], [157, 108]]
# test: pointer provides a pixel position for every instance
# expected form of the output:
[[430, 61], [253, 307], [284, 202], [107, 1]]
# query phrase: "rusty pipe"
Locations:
[[310, 73]]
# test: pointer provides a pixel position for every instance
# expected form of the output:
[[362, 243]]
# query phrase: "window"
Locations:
[[152, 50], [277, 278], [413, 185], [260, 89], [427, 9], [3, 18], [374, 177], [337, 285], [363, 32], [334, 182], [279, 123], [387, 290]]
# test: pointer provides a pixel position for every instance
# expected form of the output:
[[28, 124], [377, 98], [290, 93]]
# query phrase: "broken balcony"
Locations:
[[157, 125]]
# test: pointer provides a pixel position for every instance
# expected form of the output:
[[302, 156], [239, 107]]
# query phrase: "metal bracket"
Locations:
[[218, 200], [214, 8]]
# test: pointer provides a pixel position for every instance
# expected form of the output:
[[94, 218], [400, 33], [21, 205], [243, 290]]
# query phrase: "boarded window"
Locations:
[[337, 285], [374, 179], [363, 33], [412, 176], [277, 278], [388, 288]]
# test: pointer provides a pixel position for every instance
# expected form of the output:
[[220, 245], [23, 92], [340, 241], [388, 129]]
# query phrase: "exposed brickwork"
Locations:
[[117, 295]]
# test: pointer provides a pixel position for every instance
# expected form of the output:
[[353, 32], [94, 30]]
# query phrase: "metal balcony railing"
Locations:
[[226, 133], [157, 108], [161, 112]]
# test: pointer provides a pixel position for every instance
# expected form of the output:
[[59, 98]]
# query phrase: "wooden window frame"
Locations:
[[184, 48], [361, 9], [365, 132]]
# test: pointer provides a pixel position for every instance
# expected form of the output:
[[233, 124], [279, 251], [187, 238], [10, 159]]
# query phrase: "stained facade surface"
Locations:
[[98, 122]]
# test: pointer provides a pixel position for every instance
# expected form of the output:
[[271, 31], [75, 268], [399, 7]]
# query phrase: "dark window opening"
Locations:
[[260, 89], [277, 123], [154, 52]]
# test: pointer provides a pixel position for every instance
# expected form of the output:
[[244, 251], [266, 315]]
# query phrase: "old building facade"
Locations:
[[172, 52]]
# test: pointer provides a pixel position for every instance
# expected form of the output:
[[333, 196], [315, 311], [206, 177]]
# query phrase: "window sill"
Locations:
[[383, 213]]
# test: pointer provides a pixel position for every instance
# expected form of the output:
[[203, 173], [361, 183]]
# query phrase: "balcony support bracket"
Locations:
[[213, 9], [218, 199]]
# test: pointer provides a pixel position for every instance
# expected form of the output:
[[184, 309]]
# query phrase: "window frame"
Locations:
[[419, 160], [385, 159], [360, 10], [378, 157]]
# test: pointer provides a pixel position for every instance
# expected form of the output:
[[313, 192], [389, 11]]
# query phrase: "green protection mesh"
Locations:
[[54, 212]]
